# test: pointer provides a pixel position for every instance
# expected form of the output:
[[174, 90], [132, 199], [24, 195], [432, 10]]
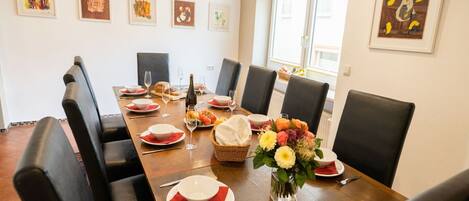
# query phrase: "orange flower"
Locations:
[[300, 124], [282, 124]]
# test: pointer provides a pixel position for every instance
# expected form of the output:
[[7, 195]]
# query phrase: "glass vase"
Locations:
[[282, 192]]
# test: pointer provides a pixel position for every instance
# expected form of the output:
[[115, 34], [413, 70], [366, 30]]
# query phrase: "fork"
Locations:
[[345, 181]]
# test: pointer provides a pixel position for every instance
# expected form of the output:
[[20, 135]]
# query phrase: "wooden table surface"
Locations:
[[247, 183]]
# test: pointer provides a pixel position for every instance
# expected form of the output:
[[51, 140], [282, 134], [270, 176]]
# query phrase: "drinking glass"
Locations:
[[201, 88], [180, 73], [284, 115], [147, 82], [191, 124], [232, 103], [166, 97]]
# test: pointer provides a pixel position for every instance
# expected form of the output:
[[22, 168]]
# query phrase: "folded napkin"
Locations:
[[234, 131], [220, 196], [214, 102], [328, 170], [134, 107], [261, 126], [137, 91], [173, 137]]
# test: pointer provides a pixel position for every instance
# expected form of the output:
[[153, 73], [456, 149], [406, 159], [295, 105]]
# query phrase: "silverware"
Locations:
[[138, 117], [345, 181], [172, 183], [159, 150]]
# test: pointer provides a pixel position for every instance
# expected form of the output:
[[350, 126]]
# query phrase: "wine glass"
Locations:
[[232, 103], [191, 124], [180, 73], [166, 97], [201, 88], [284, 115], [147, 82]]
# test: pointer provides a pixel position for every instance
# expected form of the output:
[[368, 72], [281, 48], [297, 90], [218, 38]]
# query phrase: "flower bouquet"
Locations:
[[289, 148]]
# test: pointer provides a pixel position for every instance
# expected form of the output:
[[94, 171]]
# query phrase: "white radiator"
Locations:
[[324, 127]]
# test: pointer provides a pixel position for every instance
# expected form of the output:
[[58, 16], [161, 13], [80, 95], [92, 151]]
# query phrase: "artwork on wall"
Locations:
[[95, 10], [183, 13], [142, 12], [37, 8], [407, 25], [219, 17]]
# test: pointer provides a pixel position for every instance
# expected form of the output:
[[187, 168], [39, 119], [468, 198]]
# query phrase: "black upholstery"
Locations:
[[48, 169], [258, 90], [454, 189], [304, 100], [371, 133], [111, 160], [228, 78], [114, 127], [157, 63]]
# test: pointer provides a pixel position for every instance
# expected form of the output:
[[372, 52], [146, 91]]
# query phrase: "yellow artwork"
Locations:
[[142, 12], [37, 4], [142, 8]]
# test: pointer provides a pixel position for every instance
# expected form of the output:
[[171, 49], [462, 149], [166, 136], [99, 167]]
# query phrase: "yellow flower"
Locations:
[[268, 140], [285, 157]]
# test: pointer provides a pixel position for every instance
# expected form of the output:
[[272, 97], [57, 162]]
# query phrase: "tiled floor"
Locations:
[[12, 146]]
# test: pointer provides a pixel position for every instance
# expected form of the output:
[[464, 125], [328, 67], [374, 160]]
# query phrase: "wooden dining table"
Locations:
[[247, 183]]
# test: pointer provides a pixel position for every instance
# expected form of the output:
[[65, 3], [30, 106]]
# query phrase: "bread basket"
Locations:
[[229, 153]]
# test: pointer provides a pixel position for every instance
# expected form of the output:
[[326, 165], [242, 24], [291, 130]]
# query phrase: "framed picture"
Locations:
[[142, 12], [219, 17], [36, 8], [95, 10], [183, 13], [406, 25]]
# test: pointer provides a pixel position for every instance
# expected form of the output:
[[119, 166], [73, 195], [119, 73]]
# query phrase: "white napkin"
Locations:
[[234, 131]]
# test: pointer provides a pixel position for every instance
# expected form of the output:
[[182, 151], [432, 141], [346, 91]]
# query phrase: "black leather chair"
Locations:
[[118, 158], [258, 89], [228, 78], [49, 170], [157, 63], [114, 127], [454, 189], [304, 100], [371, 133]]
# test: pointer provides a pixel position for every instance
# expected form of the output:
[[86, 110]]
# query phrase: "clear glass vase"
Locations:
[[282, 192]]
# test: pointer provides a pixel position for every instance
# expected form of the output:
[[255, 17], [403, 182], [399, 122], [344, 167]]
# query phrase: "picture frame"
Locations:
[[219, 17], [95, 10], [183, 14], [405, 25], [39, 9], [143, 12]]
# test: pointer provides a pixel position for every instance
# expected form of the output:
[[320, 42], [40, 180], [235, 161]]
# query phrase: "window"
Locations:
[[310, 38]]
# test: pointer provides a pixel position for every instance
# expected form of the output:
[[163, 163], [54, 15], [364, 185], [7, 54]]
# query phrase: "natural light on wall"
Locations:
[[306, 37]]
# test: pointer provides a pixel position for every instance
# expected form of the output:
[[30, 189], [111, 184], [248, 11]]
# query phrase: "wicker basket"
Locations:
[[229, 153]]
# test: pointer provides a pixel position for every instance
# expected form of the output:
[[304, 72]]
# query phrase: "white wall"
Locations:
[[437, 142], [38, 51], [4, 122]]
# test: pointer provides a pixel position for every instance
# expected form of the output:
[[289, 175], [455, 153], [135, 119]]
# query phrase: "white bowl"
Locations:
[[142, 103], [198, 188], [133, 88], [328, 157], [224, 100], [162, 131], [258, 119]]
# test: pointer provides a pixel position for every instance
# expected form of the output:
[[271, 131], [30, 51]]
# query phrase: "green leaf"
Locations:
[[318, 141], [258, 160], [319, 153], [282, 175], [270, 162], [300, 178], [274, 127]]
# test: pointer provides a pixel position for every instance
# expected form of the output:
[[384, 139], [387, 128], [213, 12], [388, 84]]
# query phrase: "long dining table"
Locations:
[[247, 183]]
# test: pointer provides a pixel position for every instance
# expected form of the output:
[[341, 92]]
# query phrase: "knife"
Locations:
[[172, 183]]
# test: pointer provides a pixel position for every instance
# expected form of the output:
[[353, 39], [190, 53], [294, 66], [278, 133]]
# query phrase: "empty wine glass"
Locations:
[[191, 124], [201, 88], [232, 103], [147, 82], [180, 73], [166, 97]]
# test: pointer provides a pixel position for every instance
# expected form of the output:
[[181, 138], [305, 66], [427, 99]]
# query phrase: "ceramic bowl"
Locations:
[[328, 157], [258, 119], [224, 100], [142, 103], [133, 88], [198, 188], [162, 131]]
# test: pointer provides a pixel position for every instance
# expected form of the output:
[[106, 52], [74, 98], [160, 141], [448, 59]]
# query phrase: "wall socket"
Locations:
[[210, 67]]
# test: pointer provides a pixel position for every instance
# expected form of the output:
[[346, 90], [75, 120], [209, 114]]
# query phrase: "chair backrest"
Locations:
[[48, 169], [84, 123], [371, 133], [258, 90], [304, 100], [79, 62], [228, 78], [76, 74], [454, 189], [157, 63]]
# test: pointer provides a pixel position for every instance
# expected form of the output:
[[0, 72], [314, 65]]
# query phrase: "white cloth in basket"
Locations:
[[235, 131]]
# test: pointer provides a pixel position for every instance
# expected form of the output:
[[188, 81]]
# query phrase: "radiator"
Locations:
[[324, 127]]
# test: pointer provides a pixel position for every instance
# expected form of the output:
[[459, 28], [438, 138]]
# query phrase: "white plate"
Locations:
[[229, 197], [201, 125], [142, 111], [123, 91], [217, 106], [161, 144], [340, 170]]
